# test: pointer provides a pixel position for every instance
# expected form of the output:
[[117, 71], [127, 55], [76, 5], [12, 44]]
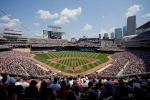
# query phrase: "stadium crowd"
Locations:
[[17, 44], [2, 46], [87, 44], [138, 63], [142, 36], [47, 42], [40, 42], [14, 62], [111, 49], [19, 63], [92, 87], [119, 60]]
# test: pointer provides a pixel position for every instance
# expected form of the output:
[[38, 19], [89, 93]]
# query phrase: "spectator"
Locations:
[[91, 93], [55, 85], [106, 91], [18, 88], [99, 84], [45, 93], [84, 83], [62, 93], [31, 91], [75, 94], [24, 84], [3, 92]]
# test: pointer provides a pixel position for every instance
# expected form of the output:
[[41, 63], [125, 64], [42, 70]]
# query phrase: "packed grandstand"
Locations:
[[126, 77]]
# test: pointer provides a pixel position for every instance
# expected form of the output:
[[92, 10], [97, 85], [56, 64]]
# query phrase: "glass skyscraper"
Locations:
[[118, 33]]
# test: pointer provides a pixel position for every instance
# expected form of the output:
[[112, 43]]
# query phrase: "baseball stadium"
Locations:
[[76, 62]]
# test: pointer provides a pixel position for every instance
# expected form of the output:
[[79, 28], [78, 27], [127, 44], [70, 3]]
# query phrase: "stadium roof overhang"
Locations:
[[144, 26]]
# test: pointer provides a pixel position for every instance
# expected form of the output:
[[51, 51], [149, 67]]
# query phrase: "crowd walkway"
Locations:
[[122, 69], [42, 67], [100, 70]]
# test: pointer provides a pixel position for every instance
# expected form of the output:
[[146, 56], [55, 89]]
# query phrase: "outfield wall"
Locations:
[[108, 52], [88, 49]]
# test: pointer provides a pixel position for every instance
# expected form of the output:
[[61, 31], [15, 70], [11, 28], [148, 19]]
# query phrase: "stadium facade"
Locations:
[[14, 38], [140, 40]]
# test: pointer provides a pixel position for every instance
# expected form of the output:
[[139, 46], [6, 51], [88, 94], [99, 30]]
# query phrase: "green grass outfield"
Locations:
[[62, 64]]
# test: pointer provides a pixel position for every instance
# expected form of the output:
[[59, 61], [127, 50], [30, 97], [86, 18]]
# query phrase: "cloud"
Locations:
[[74, 36], [111, 30], [5, 18], [146, 15], [102, 31], [9, 22], [62, 20], [92, 35], [44, 14], [87, 27], [36, 24], [132, 10], [103, 16], [37, 34], [68, 14], [71, 13]]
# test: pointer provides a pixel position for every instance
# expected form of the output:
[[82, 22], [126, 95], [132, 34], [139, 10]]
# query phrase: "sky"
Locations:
[[77, 18]]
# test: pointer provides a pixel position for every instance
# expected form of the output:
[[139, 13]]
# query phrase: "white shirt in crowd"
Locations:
[[24, 85], [84, 84], [71, 82], [18, 83]]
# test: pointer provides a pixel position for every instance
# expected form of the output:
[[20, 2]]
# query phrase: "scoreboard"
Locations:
[[55, 35]]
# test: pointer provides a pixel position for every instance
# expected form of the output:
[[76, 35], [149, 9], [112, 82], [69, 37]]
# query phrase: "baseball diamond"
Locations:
[[70, 62]]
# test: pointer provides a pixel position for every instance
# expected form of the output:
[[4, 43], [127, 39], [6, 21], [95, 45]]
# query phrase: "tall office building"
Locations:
[[124, 31], [106, 35], [118, 33], [131, 25], [99, 36], [112, 35]]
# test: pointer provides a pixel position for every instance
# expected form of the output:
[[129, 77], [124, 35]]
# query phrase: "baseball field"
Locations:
[[72, 62]]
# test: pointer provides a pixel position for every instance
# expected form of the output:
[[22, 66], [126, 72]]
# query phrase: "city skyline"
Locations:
[[77, 18]]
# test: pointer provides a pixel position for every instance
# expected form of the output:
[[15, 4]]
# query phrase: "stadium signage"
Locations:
[[13, 30]]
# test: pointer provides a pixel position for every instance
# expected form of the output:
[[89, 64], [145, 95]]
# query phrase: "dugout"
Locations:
[[72, 48]]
